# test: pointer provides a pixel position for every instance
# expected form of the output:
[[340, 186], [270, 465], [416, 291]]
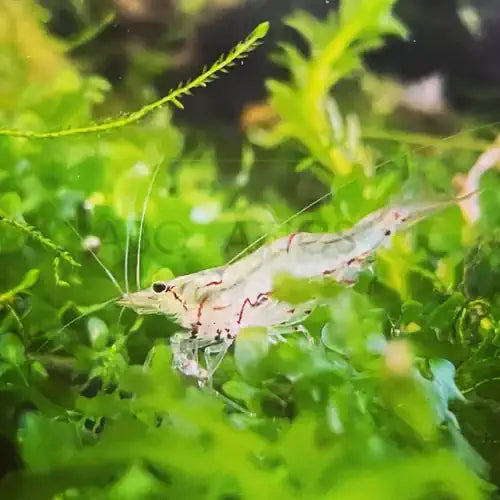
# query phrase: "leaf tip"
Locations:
[[261, 30]]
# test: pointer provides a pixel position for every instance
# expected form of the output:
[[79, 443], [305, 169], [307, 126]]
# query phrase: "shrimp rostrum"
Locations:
[[213, 305]]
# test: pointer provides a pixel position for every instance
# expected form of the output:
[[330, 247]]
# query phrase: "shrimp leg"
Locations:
[[185, 355], [214, 354], [278, 332]]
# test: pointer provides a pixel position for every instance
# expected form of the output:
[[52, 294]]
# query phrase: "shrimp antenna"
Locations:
[[296, 214], [87, 313], [97, 259], [120, 316], [141, 226], [127, 252], [80, 316], [286, 221], [329, 193]]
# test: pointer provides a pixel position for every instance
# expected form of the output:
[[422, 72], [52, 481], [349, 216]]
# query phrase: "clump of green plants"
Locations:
[[396, 397]]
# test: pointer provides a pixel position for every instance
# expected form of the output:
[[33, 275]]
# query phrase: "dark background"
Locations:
[[438, 41]]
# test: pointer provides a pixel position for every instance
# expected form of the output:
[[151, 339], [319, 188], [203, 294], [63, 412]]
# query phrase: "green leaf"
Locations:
[[240, 391], [11, 349], [45, 443], [138, 483], [98, 332], [252, 346], [30, 278], [443, 317], [261, 30], [335, 45]]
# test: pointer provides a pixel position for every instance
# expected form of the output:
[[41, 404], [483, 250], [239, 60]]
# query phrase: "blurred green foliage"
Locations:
[[308, 113], [397, 398]]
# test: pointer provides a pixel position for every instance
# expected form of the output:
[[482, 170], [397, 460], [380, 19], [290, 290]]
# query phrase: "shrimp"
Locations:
[[214, 305], [470, 205]]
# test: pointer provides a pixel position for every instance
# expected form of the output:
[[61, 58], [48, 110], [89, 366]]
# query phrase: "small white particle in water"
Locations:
[[91, 243], [88, 205], [204, 214], [140, 168]]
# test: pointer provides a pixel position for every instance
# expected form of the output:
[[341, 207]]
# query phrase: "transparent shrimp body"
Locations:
[[213, 305]]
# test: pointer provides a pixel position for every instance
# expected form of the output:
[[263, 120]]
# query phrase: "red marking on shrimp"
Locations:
[[348, 282], [396, 215], [358, 259], [200, 307], [289, 242], [176, 297], [212, 283], [258, 302]]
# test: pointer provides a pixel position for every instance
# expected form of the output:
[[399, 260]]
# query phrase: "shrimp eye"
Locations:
[[159, 287]]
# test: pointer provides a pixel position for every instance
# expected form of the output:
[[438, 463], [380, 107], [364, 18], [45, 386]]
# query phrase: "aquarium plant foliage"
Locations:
[[397, 396]]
